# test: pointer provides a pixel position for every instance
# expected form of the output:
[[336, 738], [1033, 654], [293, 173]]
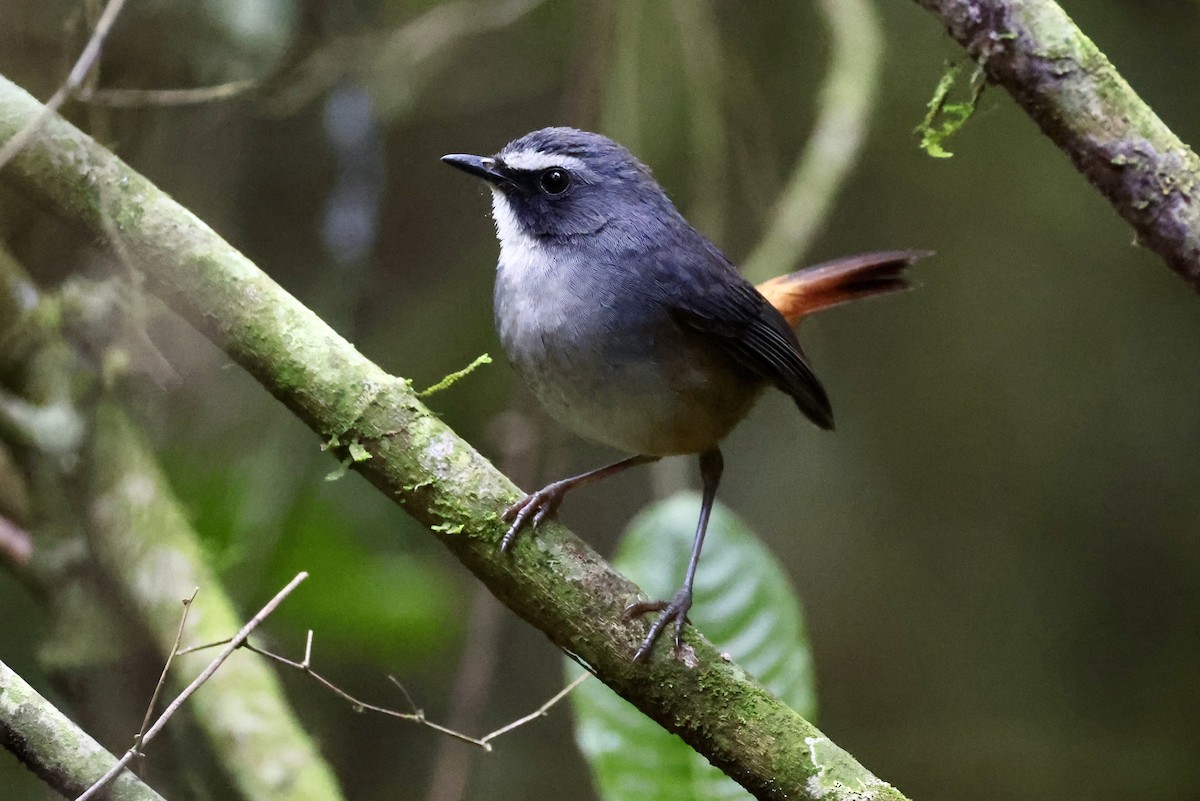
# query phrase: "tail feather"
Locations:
[[831, 283]]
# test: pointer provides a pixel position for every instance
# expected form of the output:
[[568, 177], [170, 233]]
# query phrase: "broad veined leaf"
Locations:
[[743, 604]]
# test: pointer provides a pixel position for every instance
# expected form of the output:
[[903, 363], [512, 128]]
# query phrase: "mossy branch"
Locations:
[[1072, 91], [553, 580], [142, 539], [54, 748], [139, 536]]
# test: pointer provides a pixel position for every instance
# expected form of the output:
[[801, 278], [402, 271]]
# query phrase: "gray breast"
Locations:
[[606, 360]]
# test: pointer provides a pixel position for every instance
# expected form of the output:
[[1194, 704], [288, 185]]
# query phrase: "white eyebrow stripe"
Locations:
[[535, 160]]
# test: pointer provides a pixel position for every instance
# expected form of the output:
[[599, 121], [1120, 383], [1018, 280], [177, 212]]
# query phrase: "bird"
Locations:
[[635, 331]]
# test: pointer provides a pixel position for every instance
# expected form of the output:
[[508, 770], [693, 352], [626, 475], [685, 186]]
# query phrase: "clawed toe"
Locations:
[[530, 511], [673, 611]]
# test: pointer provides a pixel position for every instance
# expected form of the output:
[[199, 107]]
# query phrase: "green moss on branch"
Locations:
[[553, 580], [1072, 91], [49, 744]]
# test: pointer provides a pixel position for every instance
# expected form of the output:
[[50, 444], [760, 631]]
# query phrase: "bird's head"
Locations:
[[563, 183]]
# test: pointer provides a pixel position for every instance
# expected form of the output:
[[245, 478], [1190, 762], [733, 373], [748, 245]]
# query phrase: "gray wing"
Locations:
[[705, 293]]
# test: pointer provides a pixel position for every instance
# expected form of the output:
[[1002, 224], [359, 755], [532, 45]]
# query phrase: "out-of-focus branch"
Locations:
[[148, 734], [392, 65], [142, 98], [49, 744], [16, 546], [843, 113], [54, 429], [1077, 97], [553, 580], [141, 539], [700, 45]]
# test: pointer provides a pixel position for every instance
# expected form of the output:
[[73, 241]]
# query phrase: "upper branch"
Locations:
[[1070, 89], [554, 580]]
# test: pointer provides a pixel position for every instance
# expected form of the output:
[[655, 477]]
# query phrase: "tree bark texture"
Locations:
[[58, 751], [553, 579], [1077, 97]]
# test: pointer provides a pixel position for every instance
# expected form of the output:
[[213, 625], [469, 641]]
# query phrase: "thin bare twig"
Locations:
[[84, 64], [359, 705], [236, 642], [191, 649], [537, 713], [417, 715], [162, 679], [305, 666]]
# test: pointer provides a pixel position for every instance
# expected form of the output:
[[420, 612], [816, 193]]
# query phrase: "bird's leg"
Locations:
[[536, 506], [676, 609]]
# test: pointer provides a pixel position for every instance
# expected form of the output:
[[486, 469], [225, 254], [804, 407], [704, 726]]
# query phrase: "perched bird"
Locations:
[[634, 330]]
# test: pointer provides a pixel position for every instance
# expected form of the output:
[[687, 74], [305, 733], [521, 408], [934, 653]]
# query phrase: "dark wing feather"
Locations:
[[709, 296]]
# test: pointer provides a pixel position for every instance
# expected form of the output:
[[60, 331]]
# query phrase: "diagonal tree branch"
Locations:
[[54, 748], [140, 539], [1072, 91], [553, 580]]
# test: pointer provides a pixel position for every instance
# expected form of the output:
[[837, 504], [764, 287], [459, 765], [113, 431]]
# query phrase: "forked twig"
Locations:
[[174, 706], [415, 716], [537, 713]]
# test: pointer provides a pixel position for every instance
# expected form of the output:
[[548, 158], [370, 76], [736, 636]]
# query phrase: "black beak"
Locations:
[[485, 167]]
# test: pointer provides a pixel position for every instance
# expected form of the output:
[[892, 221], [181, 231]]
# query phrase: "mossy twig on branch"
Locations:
[[942, 118], [1077, 97], [553, 580]]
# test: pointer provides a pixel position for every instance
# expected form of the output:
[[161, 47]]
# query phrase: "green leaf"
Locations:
[[743, 604]]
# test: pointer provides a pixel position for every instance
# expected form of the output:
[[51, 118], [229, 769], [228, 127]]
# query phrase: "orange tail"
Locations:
[[824, 285]]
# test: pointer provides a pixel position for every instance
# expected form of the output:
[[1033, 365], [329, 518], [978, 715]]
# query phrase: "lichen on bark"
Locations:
[[553, 580]]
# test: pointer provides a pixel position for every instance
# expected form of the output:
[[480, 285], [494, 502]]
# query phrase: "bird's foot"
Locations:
[[674, 611], [531, 510]]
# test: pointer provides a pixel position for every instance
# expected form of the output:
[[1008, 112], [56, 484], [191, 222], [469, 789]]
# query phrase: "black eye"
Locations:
[[554, 181]]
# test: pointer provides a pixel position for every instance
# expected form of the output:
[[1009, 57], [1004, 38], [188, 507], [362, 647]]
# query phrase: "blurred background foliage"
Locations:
[[744, 604], [998, 550]]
